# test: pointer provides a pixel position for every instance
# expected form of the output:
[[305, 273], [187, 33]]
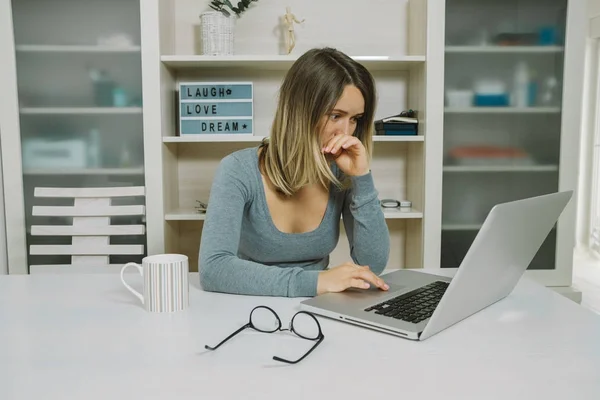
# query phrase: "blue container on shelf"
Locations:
[[548, 36], [491, 100], [396, 129], [408, 132]]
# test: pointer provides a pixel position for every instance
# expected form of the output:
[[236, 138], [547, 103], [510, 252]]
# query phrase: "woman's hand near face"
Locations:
[[348, 275], [348, 153]]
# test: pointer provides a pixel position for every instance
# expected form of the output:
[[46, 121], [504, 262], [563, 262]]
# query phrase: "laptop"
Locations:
[[419, 305]]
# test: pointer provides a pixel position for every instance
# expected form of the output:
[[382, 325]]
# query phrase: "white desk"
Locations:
[[86, 337]]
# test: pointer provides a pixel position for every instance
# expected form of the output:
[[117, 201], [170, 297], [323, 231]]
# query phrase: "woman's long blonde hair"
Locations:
[[291, 157]]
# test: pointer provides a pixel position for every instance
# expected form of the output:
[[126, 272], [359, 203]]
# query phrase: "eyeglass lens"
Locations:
[[305, 326], [264, 319]]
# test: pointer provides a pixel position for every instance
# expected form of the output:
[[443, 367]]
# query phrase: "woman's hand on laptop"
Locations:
[[348, 275]]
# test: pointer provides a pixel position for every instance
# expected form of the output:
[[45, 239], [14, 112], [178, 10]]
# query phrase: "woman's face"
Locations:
[[345, 115]]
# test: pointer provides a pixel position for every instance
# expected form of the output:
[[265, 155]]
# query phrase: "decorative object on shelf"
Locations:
[[216, 108], [115, 40], [516, 39], [457, 98], [226, 8], [521, 85], [550, 95], [106, 92], [218, 34], [94, 149], [509, 35], [393, 203], [54, 153], [201, 207], [290, 36], [103, 87], [490, 155], [548, 36], [405, 123], [125, 158], [491, 92], [120, 98], [218, 26]]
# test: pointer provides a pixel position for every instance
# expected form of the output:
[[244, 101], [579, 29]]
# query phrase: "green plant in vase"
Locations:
[[228, 9]]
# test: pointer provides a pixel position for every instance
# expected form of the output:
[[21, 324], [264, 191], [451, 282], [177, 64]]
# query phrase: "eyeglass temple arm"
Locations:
[[227, 338], [304, 356]]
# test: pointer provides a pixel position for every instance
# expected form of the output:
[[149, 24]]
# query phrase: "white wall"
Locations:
[[588, 119], [345, 23], [3, 256]]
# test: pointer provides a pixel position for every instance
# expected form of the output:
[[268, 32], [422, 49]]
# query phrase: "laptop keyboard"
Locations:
[[414, 306]]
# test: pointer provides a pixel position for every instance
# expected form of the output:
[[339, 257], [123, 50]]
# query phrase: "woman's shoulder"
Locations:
[[241, 160], [241, 166]]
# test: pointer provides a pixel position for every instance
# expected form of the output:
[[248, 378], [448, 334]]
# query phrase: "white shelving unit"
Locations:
[[406, 66], [409, 55]]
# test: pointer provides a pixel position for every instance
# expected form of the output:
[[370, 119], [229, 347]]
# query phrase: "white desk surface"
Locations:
[[86, 337]]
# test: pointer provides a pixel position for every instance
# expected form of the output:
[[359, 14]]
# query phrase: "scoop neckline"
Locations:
[[267, 212]]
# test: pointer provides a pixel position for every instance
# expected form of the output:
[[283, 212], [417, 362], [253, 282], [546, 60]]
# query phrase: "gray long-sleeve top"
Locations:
[[243, 252]]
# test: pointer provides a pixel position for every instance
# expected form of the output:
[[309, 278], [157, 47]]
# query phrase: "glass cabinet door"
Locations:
[[502, 120], [79, 88]]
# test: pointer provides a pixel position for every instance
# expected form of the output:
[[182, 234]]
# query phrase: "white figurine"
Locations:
[[289, 20]]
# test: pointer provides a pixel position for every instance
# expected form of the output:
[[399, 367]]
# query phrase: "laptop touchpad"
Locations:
[[374, 290]]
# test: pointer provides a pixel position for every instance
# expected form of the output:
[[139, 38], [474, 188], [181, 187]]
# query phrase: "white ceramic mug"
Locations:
[[166, 287]]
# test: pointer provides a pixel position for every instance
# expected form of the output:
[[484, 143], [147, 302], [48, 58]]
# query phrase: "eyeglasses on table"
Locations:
[[264, 319]]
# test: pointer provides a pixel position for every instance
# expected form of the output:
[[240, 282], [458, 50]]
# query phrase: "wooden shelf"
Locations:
[[235, 138], [503, 110], [80, 110], [501, 168], [402, 213], [466, 227], [32, 48], [191, 215], [279, 62], [184, 215], [399, 138], [85, 171], [505, 49]]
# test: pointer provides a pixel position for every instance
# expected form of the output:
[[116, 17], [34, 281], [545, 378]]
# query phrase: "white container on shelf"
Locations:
[[44, 153], [490, 87], [217, 33], [521, 85], [459, 98]]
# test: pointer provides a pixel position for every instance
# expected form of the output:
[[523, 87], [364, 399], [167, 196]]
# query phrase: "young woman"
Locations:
[[274, 210]]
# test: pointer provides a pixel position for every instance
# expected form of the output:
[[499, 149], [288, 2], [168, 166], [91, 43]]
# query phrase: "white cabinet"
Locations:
[[513, 95], [71, 113]]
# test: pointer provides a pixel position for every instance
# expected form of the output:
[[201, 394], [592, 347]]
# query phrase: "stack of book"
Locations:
[[397, 125]]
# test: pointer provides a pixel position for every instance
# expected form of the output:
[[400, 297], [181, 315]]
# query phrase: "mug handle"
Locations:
[[132, 290]]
